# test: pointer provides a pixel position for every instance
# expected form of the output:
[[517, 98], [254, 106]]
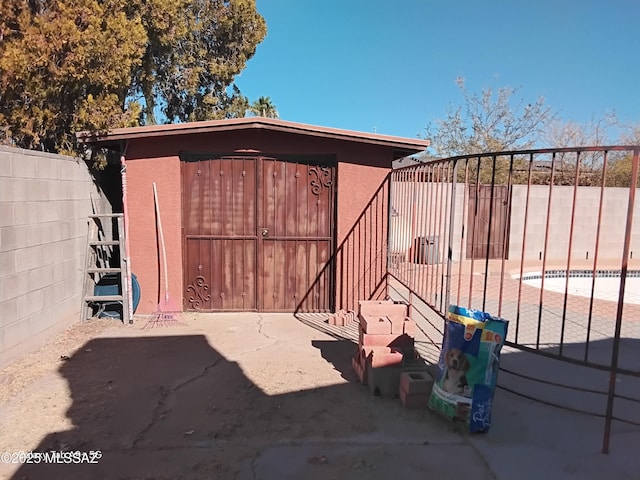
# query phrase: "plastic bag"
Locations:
[[468, 367]]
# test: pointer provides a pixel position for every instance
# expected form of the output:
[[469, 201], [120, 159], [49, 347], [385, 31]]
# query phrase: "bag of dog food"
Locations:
[[468, 367]]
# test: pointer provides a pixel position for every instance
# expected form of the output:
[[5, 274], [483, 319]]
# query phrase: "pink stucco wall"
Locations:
[[143, 236], [361, 169]]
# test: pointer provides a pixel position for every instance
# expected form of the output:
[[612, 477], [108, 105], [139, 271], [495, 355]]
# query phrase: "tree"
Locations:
[[620, 167], [195, 49], [263, 107], [561, 134], [66, 66], [71, 65], [487, 122]]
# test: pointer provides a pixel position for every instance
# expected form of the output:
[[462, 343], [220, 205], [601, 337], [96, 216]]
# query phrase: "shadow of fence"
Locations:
[[360, 260]]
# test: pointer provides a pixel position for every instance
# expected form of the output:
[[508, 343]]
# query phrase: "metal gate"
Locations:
[[258, 234], [488, 221]]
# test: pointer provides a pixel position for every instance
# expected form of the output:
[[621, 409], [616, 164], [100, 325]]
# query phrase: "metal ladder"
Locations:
[[101, 249]]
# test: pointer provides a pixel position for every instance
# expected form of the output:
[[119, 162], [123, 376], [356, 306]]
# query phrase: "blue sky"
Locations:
[[390, 65]]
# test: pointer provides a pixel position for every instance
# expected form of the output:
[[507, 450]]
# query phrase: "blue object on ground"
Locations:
[[110, 285]]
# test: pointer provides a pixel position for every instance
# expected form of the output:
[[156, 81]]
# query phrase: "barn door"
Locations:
[[488, 222], [219, 234], [257, 234], [295, 224]]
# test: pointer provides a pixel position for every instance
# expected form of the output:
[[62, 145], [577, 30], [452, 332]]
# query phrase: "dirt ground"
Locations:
[[216, 397]]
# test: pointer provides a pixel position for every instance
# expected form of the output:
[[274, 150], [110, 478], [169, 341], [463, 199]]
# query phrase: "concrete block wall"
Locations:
[[44, 203], [612, 228], [414, 215], [423, 209]]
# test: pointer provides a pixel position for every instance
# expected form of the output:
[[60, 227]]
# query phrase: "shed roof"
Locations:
[[402, 146]]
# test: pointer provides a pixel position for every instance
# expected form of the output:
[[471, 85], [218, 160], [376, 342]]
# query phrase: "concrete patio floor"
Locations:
[[265, 396]]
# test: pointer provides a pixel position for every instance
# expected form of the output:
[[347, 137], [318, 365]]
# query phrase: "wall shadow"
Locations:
[[541, 376], [360, 260], [170, 407], [339, 354]]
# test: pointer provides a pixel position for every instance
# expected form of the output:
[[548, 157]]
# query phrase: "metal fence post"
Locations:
[[623, 277], [452, 216]]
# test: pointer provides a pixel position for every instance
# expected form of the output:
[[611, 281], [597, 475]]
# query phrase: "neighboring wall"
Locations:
[[423, 210], [44, 203], [612, 228]]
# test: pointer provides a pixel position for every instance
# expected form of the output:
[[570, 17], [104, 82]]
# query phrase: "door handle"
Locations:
[[264, 232]]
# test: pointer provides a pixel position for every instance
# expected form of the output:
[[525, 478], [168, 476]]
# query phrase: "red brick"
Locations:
[[418, 383], [409, 327], [375, 325], [379, 357], [382, 308], [363, 305], [413, 400], [397, 341], [397, 325], [396, 314], [359, 368]]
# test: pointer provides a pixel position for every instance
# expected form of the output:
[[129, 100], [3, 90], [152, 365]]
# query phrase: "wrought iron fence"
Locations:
[[543, 238]]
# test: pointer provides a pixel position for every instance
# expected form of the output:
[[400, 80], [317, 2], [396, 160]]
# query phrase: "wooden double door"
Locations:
[[258, 233], [488, 222]]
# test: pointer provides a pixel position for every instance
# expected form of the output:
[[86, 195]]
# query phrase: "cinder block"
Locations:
[[29, 258], [52, 294], [7, 264], [47, 168], [24, 166], [40, 277], [383, 381], [30, 303], [6, 214], [413, 400], [7, 189], [8, 311], [415, 364], [37, 234], [68, 310], [72, 286], [418, 383], [13, 334], [5, 164], [376, 325]]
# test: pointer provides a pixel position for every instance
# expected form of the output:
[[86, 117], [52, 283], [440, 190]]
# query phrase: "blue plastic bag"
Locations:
[[468, 367]]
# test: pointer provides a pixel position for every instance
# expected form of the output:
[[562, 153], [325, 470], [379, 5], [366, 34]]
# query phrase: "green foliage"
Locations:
[[620, 169], [65, 66], [264, 107], [196, 48], [70, 65]]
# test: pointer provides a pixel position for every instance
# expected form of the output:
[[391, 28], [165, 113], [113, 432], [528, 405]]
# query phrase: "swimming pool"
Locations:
[[607, 284]]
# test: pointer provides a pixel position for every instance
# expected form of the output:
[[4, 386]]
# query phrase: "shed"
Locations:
[[252, 208]]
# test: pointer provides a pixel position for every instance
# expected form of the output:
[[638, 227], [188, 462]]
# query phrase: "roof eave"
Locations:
[[112, 137]]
